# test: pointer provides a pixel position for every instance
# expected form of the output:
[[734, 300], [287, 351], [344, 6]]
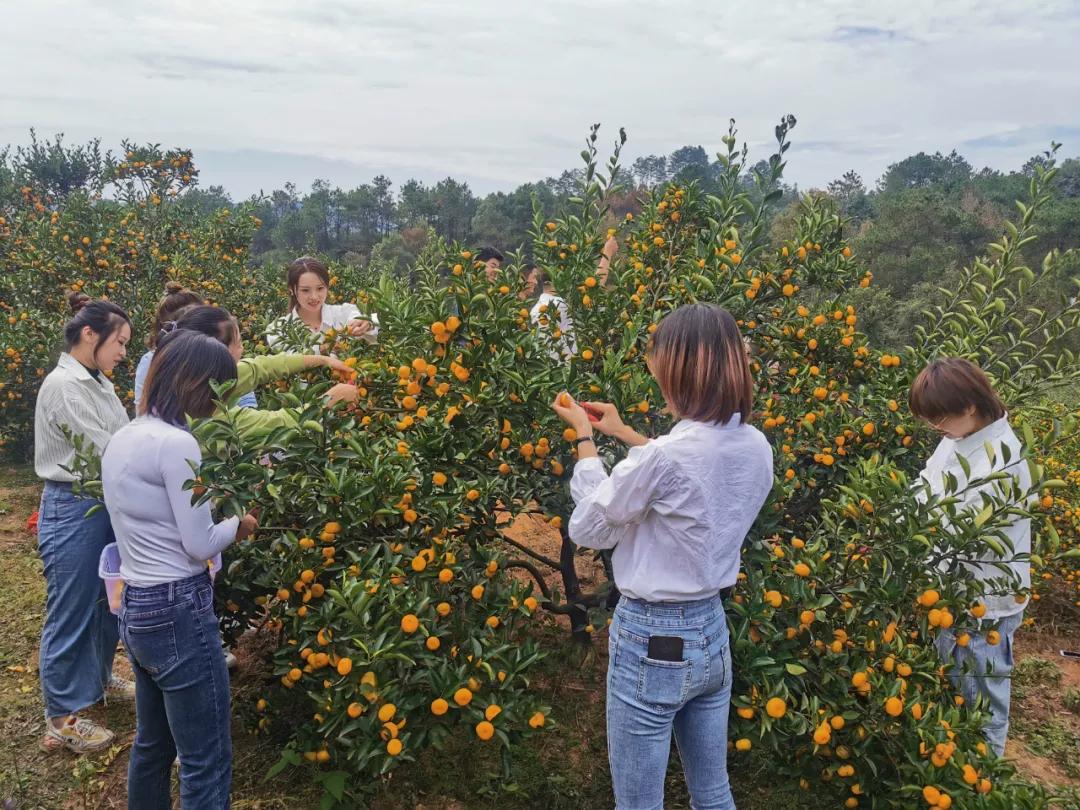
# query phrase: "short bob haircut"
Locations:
[[698, 357], [178, 383], [951, 386], [486, 254]]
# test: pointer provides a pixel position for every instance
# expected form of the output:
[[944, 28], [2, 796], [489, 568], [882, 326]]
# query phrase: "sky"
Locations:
[[502, 92]]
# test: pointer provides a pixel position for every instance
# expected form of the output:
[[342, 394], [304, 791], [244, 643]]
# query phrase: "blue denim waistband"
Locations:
[[166, 591], [58, 485], [694, 609]]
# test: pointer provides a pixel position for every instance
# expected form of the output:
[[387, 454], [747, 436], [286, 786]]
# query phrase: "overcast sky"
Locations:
[[501, 92]]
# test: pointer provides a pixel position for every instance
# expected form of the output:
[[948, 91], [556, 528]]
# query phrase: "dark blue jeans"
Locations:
[[181, 695], [78, 641]]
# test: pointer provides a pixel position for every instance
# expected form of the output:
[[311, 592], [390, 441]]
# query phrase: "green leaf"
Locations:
[[795, 669], [984, 515]]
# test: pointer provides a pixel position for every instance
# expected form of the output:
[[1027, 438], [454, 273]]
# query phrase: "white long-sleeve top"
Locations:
[[675, 510], [161, 536], [72, 397], [334, 316], [943, 462]]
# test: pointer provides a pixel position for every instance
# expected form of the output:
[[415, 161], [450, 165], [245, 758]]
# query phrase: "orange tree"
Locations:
[[848, 574]]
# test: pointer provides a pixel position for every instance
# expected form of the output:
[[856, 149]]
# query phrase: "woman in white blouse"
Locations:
[[308, 282], [167, 616], [675, 512]]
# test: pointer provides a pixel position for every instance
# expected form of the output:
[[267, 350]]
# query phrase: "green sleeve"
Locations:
[[251, 372]]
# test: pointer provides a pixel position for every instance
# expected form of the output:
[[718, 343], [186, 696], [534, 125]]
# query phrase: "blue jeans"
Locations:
[[647, 699], [78, 641], [980, 669], [181, 695]]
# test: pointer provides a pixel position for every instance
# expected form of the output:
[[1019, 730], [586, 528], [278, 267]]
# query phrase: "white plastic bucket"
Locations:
[[109, 571]]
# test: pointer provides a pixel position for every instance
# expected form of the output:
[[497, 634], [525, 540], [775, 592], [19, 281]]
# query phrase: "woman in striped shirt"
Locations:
[[78, 641]]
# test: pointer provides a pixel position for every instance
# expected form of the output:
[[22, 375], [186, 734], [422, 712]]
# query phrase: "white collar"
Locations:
[[684, 425]]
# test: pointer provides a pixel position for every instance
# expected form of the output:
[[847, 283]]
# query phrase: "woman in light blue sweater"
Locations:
[[167, 619]]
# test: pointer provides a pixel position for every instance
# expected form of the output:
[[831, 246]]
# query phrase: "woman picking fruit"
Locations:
[[955, 398], [676, 511], [167, 613], [308, 282]]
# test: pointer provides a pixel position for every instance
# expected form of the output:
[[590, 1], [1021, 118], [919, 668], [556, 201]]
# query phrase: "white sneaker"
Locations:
[[120, 688], [78, 734], [230, 660]]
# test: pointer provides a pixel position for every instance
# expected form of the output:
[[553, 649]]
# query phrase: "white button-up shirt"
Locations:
[[550, 307], [944, 462], [334, 316], [71, 397], [675, 510]]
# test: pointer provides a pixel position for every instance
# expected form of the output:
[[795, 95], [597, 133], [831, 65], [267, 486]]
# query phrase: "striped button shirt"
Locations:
[[70, 396]]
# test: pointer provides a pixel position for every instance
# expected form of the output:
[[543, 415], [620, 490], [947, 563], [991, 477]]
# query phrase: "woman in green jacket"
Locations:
[[252, 423]]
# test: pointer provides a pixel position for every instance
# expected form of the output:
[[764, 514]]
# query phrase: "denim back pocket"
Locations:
[[664, 684], [153, 646]]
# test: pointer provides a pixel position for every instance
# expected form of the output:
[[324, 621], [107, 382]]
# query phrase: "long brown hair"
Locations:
[[305, 264], [951, 385], [178, 383], [176, 300], [699, 359]]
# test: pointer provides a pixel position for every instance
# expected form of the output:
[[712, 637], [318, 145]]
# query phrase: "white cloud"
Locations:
[[500, 92]]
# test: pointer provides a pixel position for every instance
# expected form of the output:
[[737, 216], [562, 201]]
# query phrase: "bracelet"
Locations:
[[583, 439]]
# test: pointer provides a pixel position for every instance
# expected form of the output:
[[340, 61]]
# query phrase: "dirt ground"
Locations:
[[564, 770]]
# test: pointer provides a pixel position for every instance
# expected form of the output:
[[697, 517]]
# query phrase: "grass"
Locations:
[[1034, 672], [1055, 740]]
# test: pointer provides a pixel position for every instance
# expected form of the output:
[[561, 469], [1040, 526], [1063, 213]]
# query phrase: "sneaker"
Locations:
[[230, 660], [120, 688], [78, 734]]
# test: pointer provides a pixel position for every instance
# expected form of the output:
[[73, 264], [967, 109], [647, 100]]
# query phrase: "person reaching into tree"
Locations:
[[308, 282], [955, 398], [167, 616], [675, 512]]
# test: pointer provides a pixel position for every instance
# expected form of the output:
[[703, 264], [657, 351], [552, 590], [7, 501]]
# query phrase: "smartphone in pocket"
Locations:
[[665, 648]]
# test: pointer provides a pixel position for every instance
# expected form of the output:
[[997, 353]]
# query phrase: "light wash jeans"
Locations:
[[647, 699], [78, 641], [181, 695], [980, 669]]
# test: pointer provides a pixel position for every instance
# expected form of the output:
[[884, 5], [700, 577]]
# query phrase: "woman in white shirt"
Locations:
[[78, 640], [308, 282], [167, 616], [955, 398], [675, 512], [550, 314]]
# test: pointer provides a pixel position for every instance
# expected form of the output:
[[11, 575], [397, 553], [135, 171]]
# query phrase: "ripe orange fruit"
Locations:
[[537, 720], [438, 479], [445, 576], [462, 696], [354, 710], [387, 712], [433, 643], [409, 623], [443, 609], [530, 603], [776, 708], [393, 748], [477, 592], [931, 794], [472, 495], [978, 610], [894, 707], [993, 638], [807, 617], [823, 733], [418, 564], [344, 666], [802, 569], [439, 707], [929, 598], [743, 744], [484, 730], [492, 711]]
